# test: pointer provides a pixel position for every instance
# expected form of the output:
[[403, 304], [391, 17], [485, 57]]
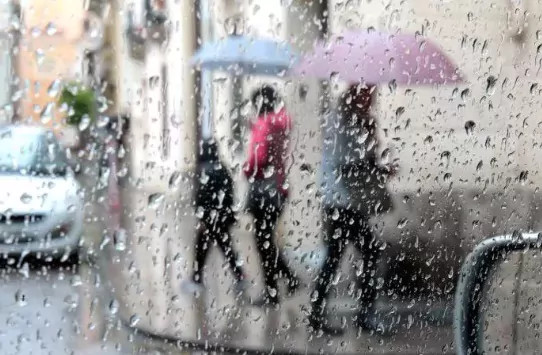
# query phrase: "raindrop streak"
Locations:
[[533, 88], [491, 84], [155, 200], [469, 127]]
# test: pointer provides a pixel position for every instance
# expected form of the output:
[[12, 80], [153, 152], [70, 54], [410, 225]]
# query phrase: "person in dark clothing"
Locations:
[[214, 202], [265, 168], [349, 166]]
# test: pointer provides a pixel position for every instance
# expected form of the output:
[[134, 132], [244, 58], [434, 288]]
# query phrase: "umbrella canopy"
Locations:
[[244, 55], [374, 57]]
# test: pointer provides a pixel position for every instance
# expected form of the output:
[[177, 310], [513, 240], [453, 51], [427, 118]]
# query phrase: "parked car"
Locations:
[[41, 212]]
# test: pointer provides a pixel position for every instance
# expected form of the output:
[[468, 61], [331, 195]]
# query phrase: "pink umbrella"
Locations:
[[374, 57]]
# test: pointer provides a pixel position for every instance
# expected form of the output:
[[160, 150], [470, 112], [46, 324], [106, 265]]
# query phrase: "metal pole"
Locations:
[[206, 83]]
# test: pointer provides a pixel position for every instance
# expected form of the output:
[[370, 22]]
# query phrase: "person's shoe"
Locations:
[[191, 287], [321, 328]]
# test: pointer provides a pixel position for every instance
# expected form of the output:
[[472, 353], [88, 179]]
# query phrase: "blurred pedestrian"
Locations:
[[214, 207], [265, 169], [353, 191]]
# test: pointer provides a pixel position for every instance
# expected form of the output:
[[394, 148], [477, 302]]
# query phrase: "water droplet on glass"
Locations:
[[35, 32], [17, 95], [402, 223], [334, 78], [84, 123], [76, 281], [385, 157], [490, 85], [51, 29], [54, 88], [155, 200], [26, 198], [465, 94], [445, 157], [269, 171], [399, 112], [479, 165], [20, 298], [46, 114], [114, 306], [428, 140], [134, 320], [175, 180], [469, 127], [392, 86], [533, 88], [523, 177], [120, 239], [39, 54]]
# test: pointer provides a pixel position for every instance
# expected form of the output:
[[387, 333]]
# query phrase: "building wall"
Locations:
[[44, 58]]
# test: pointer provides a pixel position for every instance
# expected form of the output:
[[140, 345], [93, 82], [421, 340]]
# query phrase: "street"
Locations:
[[53, 309]]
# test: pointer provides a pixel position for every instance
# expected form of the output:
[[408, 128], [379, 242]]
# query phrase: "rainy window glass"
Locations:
[[264, 176]]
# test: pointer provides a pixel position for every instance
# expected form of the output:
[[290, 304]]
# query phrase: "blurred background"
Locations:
[[467, 155]]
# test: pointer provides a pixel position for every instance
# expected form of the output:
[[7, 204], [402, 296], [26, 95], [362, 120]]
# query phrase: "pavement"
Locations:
[[141, 270], [145, 272]]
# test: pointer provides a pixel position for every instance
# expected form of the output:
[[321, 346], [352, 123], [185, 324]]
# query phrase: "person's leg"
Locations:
[[201, 250], [369, 247], [284, 271], [336, 243], [268, 255], [225, 243]]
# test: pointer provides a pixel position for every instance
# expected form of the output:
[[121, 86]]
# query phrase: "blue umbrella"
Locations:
[[247, 56]]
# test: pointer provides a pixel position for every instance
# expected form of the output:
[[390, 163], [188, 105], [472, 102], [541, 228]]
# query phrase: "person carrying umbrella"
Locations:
[[266, 171], [214, 207], [353, 190]]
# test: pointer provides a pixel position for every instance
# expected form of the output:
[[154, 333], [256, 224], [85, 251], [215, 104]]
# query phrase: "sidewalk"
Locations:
[[145, 274]]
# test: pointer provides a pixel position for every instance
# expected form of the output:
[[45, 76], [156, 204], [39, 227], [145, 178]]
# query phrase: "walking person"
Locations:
[[214, 202], [265, 169], [353, 191]]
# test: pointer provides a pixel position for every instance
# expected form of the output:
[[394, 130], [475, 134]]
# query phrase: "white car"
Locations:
[[41, 212]]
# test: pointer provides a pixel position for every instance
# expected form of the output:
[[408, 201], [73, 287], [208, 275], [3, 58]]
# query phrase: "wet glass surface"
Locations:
[[265, 176]]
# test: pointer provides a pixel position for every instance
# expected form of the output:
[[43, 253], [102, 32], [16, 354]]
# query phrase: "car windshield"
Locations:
[[29, 152]]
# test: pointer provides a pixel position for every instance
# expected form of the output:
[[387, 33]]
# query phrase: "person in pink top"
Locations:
[[265, 169]]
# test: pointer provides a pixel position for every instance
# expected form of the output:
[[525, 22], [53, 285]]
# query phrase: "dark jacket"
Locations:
[[214, 187]]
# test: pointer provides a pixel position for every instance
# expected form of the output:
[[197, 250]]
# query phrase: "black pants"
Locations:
[[344, 227], [266, 215], [219, 233]]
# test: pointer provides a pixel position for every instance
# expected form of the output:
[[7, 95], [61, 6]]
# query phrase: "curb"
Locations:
[[206, 346]]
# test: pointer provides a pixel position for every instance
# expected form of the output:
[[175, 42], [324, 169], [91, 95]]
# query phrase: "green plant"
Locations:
[[81, 102]]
